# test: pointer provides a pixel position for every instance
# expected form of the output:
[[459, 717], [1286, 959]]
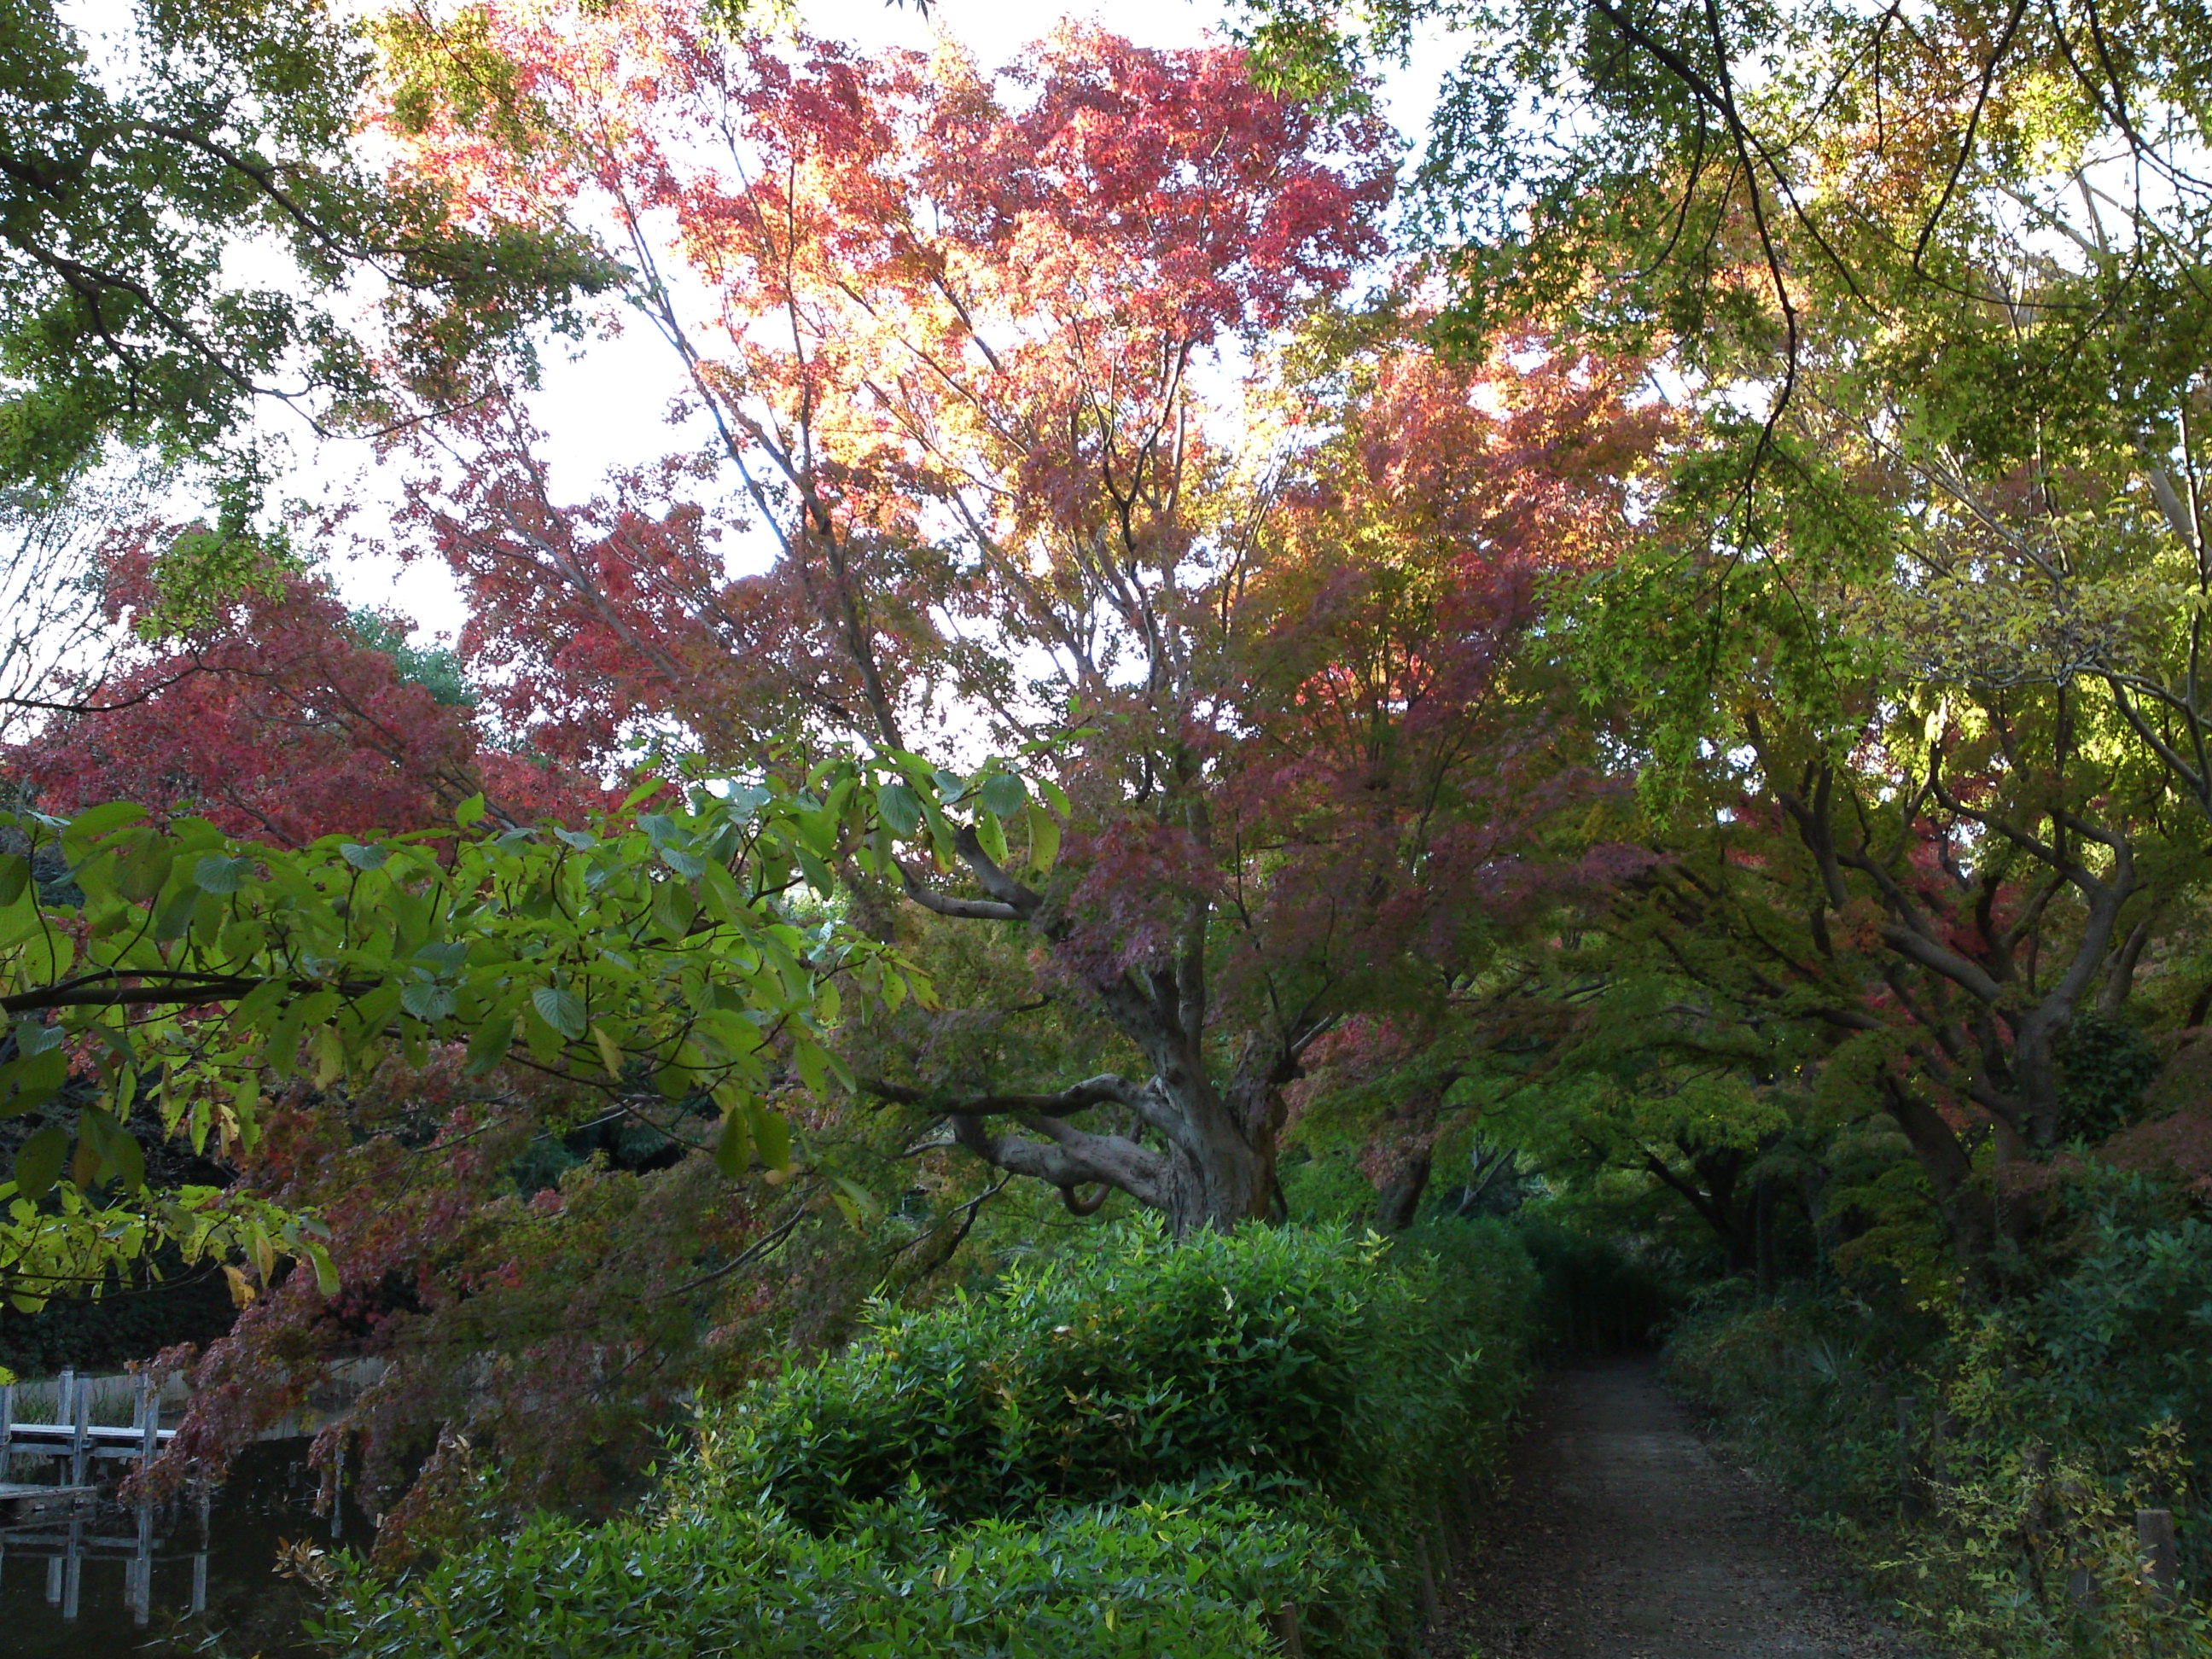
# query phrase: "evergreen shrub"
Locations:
[[1160, 1579], [1144, 1448]]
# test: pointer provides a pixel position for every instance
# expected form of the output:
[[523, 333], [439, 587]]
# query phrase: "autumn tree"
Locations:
[[260, 701], [995, 365]]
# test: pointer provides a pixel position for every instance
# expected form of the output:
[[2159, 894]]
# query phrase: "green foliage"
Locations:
[[179, 965], [1298, 1360], [434, 668], [1174, 1576], [2105, 1065], [1143, 1448], [2037, 1427], [133, 176]]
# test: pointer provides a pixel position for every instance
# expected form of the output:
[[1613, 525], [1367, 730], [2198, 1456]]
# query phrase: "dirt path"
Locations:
[[1621, 1537]]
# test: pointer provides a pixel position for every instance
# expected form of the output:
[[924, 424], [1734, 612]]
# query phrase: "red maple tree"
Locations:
[[996, 365]]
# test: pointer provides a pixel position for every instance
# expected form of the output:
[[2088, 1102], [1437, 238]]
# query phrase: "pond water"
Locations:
[[70, 1581]]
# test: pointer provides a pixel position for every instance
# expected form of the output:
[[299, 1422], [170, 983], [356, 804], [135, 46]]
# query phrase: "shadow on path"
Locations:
[[1620, 1536]]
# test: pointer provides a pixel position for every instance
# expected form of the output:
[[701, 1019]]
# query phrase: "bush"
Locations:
[[1147, 1580], [1139, 1450], [2037, 1425], [1296, 1359]]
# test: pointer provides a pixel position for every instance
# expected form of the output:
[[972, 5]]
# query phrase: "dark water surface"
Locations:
[[269, 1500]]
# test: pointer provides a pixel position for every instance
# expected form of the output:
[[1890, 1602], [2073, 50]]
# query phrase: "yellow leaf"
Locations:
[[608, 1052], [241, 1287]]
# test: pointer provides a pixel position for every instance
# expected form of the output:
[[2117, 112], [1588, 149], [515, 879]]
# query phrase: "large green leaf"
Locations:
[[560, 1008]]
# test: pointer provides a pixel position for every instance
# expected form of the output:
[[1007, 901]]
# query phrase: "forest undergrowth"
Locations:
[[1984, 1462]]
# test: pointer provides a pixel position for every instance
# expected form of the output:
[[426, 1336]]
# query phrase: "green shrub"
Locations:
[[1297, 1361], [2037, 1425], [1159, 1579], [1141, 1450]]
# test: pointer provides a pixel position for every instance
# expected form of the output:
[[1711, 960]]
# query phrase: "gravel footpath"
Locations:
[[1621, 1536]]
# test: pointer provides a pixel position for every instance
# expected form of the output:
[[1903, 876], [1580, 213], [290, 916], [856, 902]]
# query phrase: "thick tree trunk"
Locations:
[[1968, 1214], [1206, 1159], [1206, 1155], [1398, 1198]]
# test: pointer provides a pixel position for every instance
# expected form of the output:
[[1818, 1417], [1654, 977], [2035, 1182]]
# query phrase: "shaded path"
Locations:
[[1621, 1537]]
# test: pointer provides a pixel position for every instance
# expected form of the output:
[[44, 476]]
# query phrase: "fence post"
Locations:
[[80, 1422], [2154, 1538], [149, 1420], [200, 1557], [2080, 1583]]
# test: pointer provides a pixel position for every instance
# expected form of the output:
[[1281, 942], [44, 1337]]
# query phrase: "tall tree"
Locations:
[[971, 350]]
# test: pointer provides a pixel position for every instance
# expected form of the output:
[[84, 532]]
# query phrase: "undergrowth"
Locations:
[[1985, 1460]]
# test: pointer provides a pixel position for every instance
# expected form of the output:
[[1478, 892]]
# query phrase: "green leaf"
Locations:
[[864, 1202], [560, 1008], [991, 834], [470, 811], [15, 877], [489, 1044], [743, 802], [813, 1068], [217, 874], [733, 1151], [1055, 797], [30, 1080], [901, 809], [816, 872], [427, 1000], [1044, 837], [95, 822], [171, 921], [673, 909], [1003, 795], [326, 1271], [145, 867], [113, 1149], [771, 1135], [363, 858], [689, 866], [818, 831], [39, 1162]]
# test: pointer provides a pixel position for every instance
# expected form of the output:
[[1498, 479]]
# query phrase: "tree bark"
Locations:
[[1398, 1198]]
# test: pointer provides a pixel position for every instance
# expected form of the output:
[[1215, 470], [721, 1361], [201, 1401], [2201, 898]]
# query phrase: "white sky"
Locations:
[[603, 407]]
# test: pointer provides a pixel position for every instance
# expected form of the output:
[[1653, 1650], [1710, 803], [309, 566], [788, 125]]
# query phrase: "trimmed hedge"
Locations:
[[1142, 1449]]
